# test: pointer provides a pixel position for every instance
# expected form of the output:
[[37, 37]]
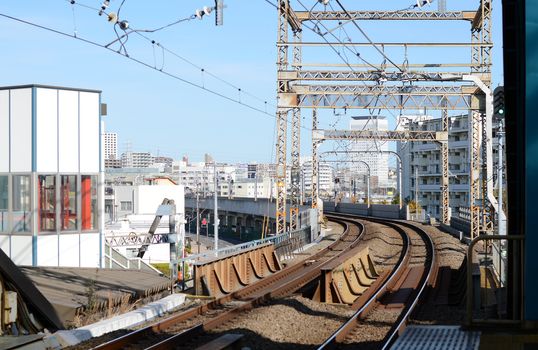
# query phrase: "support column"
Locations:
[[282, 119], [295, 144], [474, 172], [315, 161], [445, 199]]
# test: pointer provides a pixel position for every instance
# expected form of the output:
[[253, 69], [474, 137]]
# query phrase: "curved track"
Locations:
[[397, 295], [185, 326]]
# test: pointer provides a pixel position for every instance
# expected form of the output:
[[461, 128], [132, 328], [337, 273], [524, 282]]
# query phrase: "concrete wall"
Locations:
[[248, 206], [388, 211]]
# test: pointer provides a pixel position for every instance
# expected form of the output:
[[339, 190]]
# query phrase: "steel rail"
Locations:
[[287, 280], [341, 333], [428, 279]]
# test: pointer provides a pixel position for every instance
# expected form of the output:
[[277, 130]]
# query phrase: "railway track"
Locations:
[[386, 308], [183, 327], [394, 295]]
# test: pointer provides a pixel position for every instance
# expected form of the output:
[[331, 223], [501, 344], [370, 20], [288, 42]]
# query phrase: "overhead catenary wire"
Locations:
[[140, 32], [367, 37], [147, 65]]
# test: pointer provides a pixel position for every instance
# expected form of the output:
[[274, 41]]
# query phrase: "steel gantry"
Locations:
[[358, 86], [296, 145], [377, 152]]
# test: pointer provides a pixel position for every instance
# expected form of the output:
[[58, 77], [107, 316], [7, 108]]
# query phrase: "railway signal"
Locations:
[[498, 102]]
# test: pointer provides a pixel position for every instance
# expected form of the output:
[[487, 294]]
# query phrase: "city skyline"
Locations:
[[139, 108]]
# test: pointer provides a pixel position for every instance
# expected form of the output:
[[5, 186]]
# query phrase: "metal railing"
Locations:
[[247, 245], [136, 239], [492, 255], [116, 260], [284, 244]]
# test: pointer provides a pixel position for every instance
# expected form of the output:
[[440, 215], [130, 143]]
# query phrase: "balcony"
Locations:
[[458, 144]]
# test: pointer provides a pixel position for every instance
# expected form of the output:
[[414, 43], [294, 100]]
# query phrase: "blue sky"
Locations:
[[159, 114]]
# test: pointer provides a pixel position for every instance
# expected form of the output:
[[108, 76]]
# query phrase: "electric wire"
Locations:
[[367, 37], [272, 4], [175, 54], [147, 65]]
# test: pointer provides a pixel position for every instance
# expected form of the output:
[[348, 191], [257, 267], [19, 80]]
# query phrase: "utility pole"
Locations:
[[198, 221], [256, 186], [501, 225], [216, 212], [416, 189]]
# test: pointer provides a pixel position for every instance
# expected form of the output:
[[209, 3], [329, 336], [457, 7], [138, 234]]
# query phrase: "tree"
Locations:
[[395, 199], [414, 207]]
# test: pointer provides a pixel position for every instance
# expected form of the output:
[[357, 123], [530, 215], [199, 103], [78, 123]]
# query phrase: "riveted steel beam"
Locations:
[[385, 15]]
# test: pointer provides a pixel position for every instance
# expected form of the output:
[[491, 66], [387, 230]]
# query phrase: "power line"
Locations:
[[272, 4], [356, 53], [171, 75], [367, 37], [153, 42]]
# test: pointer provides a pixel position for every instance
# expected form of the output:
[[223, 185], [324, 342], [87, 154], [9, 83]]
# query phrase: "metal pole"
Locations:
[[198, 221], [502, 223], [368, 186], [399, 180], [216, 212], [256, 186], [416, 189], [173, 243]]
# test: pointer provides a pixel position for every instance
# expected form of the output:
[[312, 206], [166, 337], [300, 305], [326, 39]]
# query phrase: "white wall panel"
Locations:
[[148, 198], [69, 250], [4, 131], [47, 130], [68, 131], [89, 243], [89, 132], [21, 250], [47, 250], [4, 244], [21, 130]]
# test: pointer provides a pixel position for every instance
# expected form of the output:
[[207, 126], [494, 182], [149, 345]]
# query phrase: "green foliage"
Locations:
[[91, 296], [163, 267], [395, 199], [414, 207]]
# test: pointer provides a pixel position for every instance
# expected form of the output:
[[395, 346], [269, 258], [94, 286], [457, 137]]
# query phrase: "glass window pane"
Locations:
[[89, 202], [3, 203], [68, 199], [21, 203], [46, 196], [126, 206]]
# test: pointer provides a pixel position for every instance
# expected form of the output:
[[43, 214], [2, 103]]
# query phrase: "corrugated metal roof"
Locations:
[[69, 290]]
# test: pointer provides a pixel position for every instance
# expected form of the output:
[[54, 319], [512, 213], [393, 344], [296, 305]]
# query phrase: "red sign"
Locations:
[[204, 221]]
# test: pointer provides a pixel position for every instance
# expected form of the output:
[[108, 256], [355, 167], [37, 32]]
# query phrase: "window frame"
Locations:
[[8, 211], [11, 216]]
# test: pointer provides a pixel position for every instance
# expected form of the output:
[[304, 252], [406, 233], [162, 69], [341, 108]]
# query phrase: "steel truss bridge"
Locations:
[[358, 86]]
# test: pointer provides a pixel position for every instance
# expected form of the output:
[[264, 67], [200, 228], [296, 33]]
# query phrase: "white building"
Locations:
[[248, 188], [378, 162], [111, 145], [325, 177], [51, 203], [136, 160], [200, 177], [421, 164], [136, 207]]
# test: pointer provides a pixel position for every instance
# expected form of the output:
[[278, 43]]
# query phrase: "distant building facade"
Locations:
[[111, 145], [367, 151], [136, 160]]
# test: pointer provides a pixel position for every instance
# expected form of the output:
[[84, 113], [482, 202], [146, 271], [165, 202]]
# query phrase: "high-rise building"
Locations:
[[368, 151], [111, 145], [422, 168]]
